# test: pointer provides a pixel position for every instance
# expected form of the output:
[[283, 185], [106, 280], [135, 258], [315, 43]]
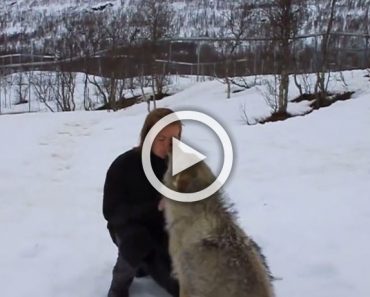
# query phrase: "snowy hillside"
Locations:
[[33, 21], [301, 188]]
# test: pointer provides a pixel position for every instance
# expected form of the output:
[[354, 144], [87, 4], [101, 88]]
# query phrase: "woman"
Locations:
[[130, 206]]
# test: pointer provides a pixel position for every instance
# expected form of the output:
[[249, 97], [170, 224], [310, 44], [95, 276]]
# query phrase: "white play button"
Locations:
[[181, 162], [183, 156]]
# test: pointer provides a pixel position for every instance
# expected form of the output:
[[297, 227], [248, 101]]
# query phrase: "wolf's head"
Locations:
[[193, 179]]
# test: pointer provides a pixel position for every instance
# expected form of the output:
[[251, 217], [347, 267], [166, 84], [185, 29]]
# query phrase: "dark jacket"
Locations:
[[129, 198]]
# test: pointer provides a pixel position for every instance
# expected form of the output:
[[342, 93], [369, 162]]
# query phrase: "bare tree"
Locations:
[[7, 81], [63, 91], [42, 84], [245, 119], [271, 93], [22, 86], [321, 84], [154, 20], [303, 83], [284, 20], [237, 22], [110, 90], [69, 44], [2, 84], [91, 36], [367, 33], [117, 33], [3, 38], [143, 81], [88, 105], [367, 22]]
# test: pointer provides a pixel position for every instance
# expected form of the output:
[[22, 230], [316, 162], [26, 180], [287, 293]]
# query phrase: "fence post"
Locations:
[[29, 91], [170, 57], [367, 58], [198, 59], [5, 93]]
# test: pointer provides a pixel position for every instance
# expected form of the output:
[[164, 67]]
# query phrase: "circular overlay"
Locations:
[[227, 150]]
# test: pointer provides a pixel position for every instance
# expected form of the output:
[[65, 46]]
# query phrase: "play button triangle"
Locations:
[[183, 156]]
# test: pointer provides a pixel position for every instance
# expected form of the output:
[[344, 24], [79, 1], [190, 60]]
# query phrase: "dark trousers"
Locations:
[[140, 248]]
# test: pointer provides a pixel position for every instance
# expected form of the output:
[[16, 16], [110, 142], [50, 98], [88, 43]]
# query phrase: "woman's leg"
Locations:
[[123, 275], [159, 268], [134, 245]]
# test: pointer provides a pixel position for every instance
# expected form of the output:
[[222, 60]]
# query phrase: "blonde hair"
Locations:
[[152, 118]]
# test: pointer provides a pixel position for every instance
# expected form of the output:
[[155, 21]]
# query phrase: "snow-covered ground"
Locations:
[[301, 188]]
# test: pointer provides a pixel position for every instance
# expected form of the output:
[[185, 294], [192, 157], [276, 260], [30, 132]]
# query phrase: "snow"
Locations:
[[301, 188]]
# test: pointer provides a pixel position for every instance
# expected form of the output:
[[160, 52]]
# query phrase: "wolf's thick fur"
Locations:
[[212, 256]]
